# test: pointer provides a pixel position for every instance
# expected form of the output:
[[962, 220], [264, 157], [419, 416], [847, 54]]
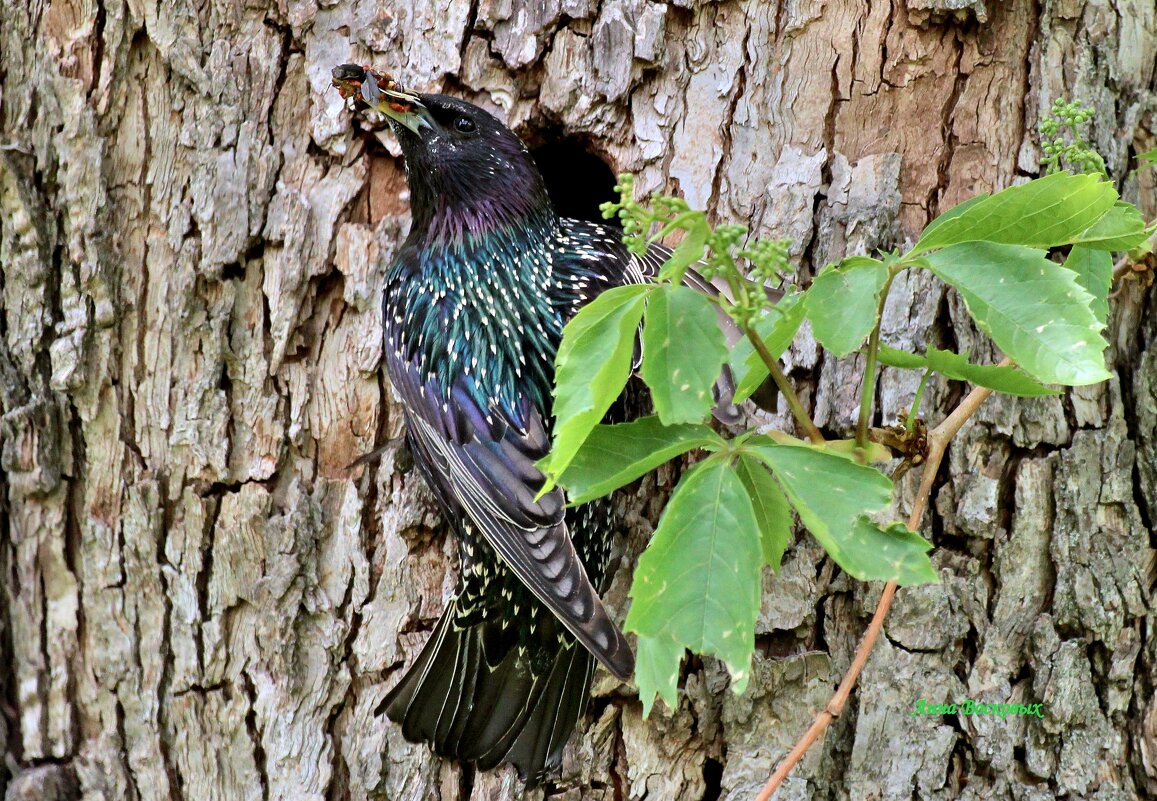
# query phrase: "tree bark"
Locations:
[[201, 602]]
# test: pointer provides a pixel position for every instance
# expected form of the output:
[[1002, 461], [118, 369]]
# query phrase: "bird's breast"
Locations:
[[498, 340]]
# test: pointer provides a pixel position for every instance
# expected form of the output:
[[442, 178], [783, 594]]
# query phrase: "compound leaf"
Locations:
[[1094, 272], [772, 512], [842, 303], [615, 455], [1053, 210], [831, 494], [1121, 228], [591, 369], [1003, 378]]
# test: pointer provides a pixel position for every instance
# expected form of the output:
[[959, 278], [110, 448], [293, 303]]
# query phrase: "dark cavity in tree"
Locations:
[[713, 779], [576, 179]]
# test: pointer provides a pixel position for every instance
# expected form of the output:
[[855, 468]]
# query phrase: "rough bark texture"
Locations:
[[200, 602]]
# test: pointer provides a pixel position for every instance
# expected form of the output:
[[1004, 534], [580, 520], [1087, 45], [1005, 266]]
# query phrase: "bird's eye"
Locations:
[[464, 124]]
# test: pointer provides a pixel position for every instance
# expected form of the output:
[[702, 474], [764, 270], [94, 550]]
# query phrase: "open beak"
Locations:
[[382, 94]]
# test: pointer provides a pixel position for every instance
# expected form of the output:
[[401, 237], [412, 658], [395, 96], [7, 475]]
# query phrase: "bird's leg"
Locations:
[[376, 453]]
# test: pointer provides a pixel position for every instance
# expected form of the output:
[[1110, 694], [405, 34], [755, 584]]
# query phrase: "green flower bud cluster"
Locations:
[[721, 244], [638, 220], [1062, 124], [768, 259], [632, 216], [745, 266]]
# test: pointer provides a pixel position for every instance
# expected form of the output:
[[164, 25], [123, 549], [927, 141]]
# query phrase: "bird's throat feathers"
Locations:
[[457, 222], [468, 196], [472, 302]]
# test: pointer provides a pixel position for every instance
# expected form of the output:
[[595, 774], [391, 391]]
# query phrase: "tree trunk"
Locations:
[[201, 602]]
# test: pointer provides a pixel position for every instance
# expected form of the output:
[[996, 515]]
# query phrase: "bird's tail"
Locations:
[[478, 696]]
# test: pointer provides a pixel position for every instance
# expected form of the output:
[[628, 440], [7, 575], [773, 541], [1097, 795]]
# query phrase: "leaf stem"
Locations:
[[915, 410], [672, 225], [938, 440], [868, 389], [1126, 266], [785, 387]]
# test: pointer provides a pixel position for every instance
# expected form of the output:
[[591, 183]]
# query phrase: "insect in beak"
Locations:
[[382, 93]]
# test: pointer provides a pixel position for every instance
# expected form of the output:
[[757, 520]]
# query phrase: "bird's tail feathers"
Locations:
[[475, 695]]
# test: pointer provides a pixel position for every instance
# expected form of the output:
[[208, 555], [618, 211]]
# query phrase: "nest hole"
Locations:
[[577, 180]]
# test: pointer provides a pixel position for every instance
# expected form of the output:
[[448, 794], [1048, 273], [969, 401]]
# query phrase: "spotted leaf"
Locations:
[[697, 584], [1033, 308], [831, 493], [683, 352]]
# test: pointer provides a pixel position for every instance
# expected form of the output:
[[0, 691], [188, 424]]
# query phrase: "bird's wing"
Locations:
[[486, 465]]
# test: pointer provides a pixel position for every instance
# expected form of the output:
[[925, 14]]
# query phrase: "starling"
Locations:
[[474, 306]]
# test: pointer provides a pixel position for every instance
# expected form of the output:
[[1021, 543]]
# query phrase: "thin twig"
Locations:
[[1126, 266], [785, 387], [1123, 267], [938, 440]]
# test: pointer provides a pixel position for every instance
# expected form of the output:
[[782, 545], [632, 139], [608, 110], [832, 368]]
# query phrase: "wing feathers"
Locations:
[[533, 545]]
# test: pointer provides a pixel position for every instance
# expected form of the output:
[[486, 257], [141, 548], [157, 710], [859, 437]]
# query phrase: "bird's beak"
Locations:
[[383, 94], [396, 103]]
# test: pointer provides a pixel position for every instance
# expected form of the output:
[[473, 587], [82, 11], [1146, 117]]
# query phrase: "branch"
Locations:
[[1126, 266], [938, 440]]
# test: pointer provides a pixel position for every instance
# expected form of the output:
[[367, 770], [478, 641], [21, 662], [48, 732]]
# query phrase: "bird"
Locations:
[[473, 308]]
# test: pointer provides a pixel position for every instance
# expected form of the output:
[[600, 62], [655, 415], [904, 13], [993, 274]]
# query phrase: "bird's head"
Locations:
[[468, 173]]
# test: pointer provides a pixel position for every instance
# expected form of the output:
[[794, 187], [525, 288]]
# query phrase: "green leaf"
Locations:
[[900, 358], [772, 512], [1121, 228], [953, 213], [591, 369], [777, 329], [820, 483], [1094, 272], [1149, 156], [687, 252], [842, 303], [697, 584], [615, 455], [895, 553], [1003, 378], [657, 660], [1033, 309], [1054, 210], [831, 494], [683, 353]]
